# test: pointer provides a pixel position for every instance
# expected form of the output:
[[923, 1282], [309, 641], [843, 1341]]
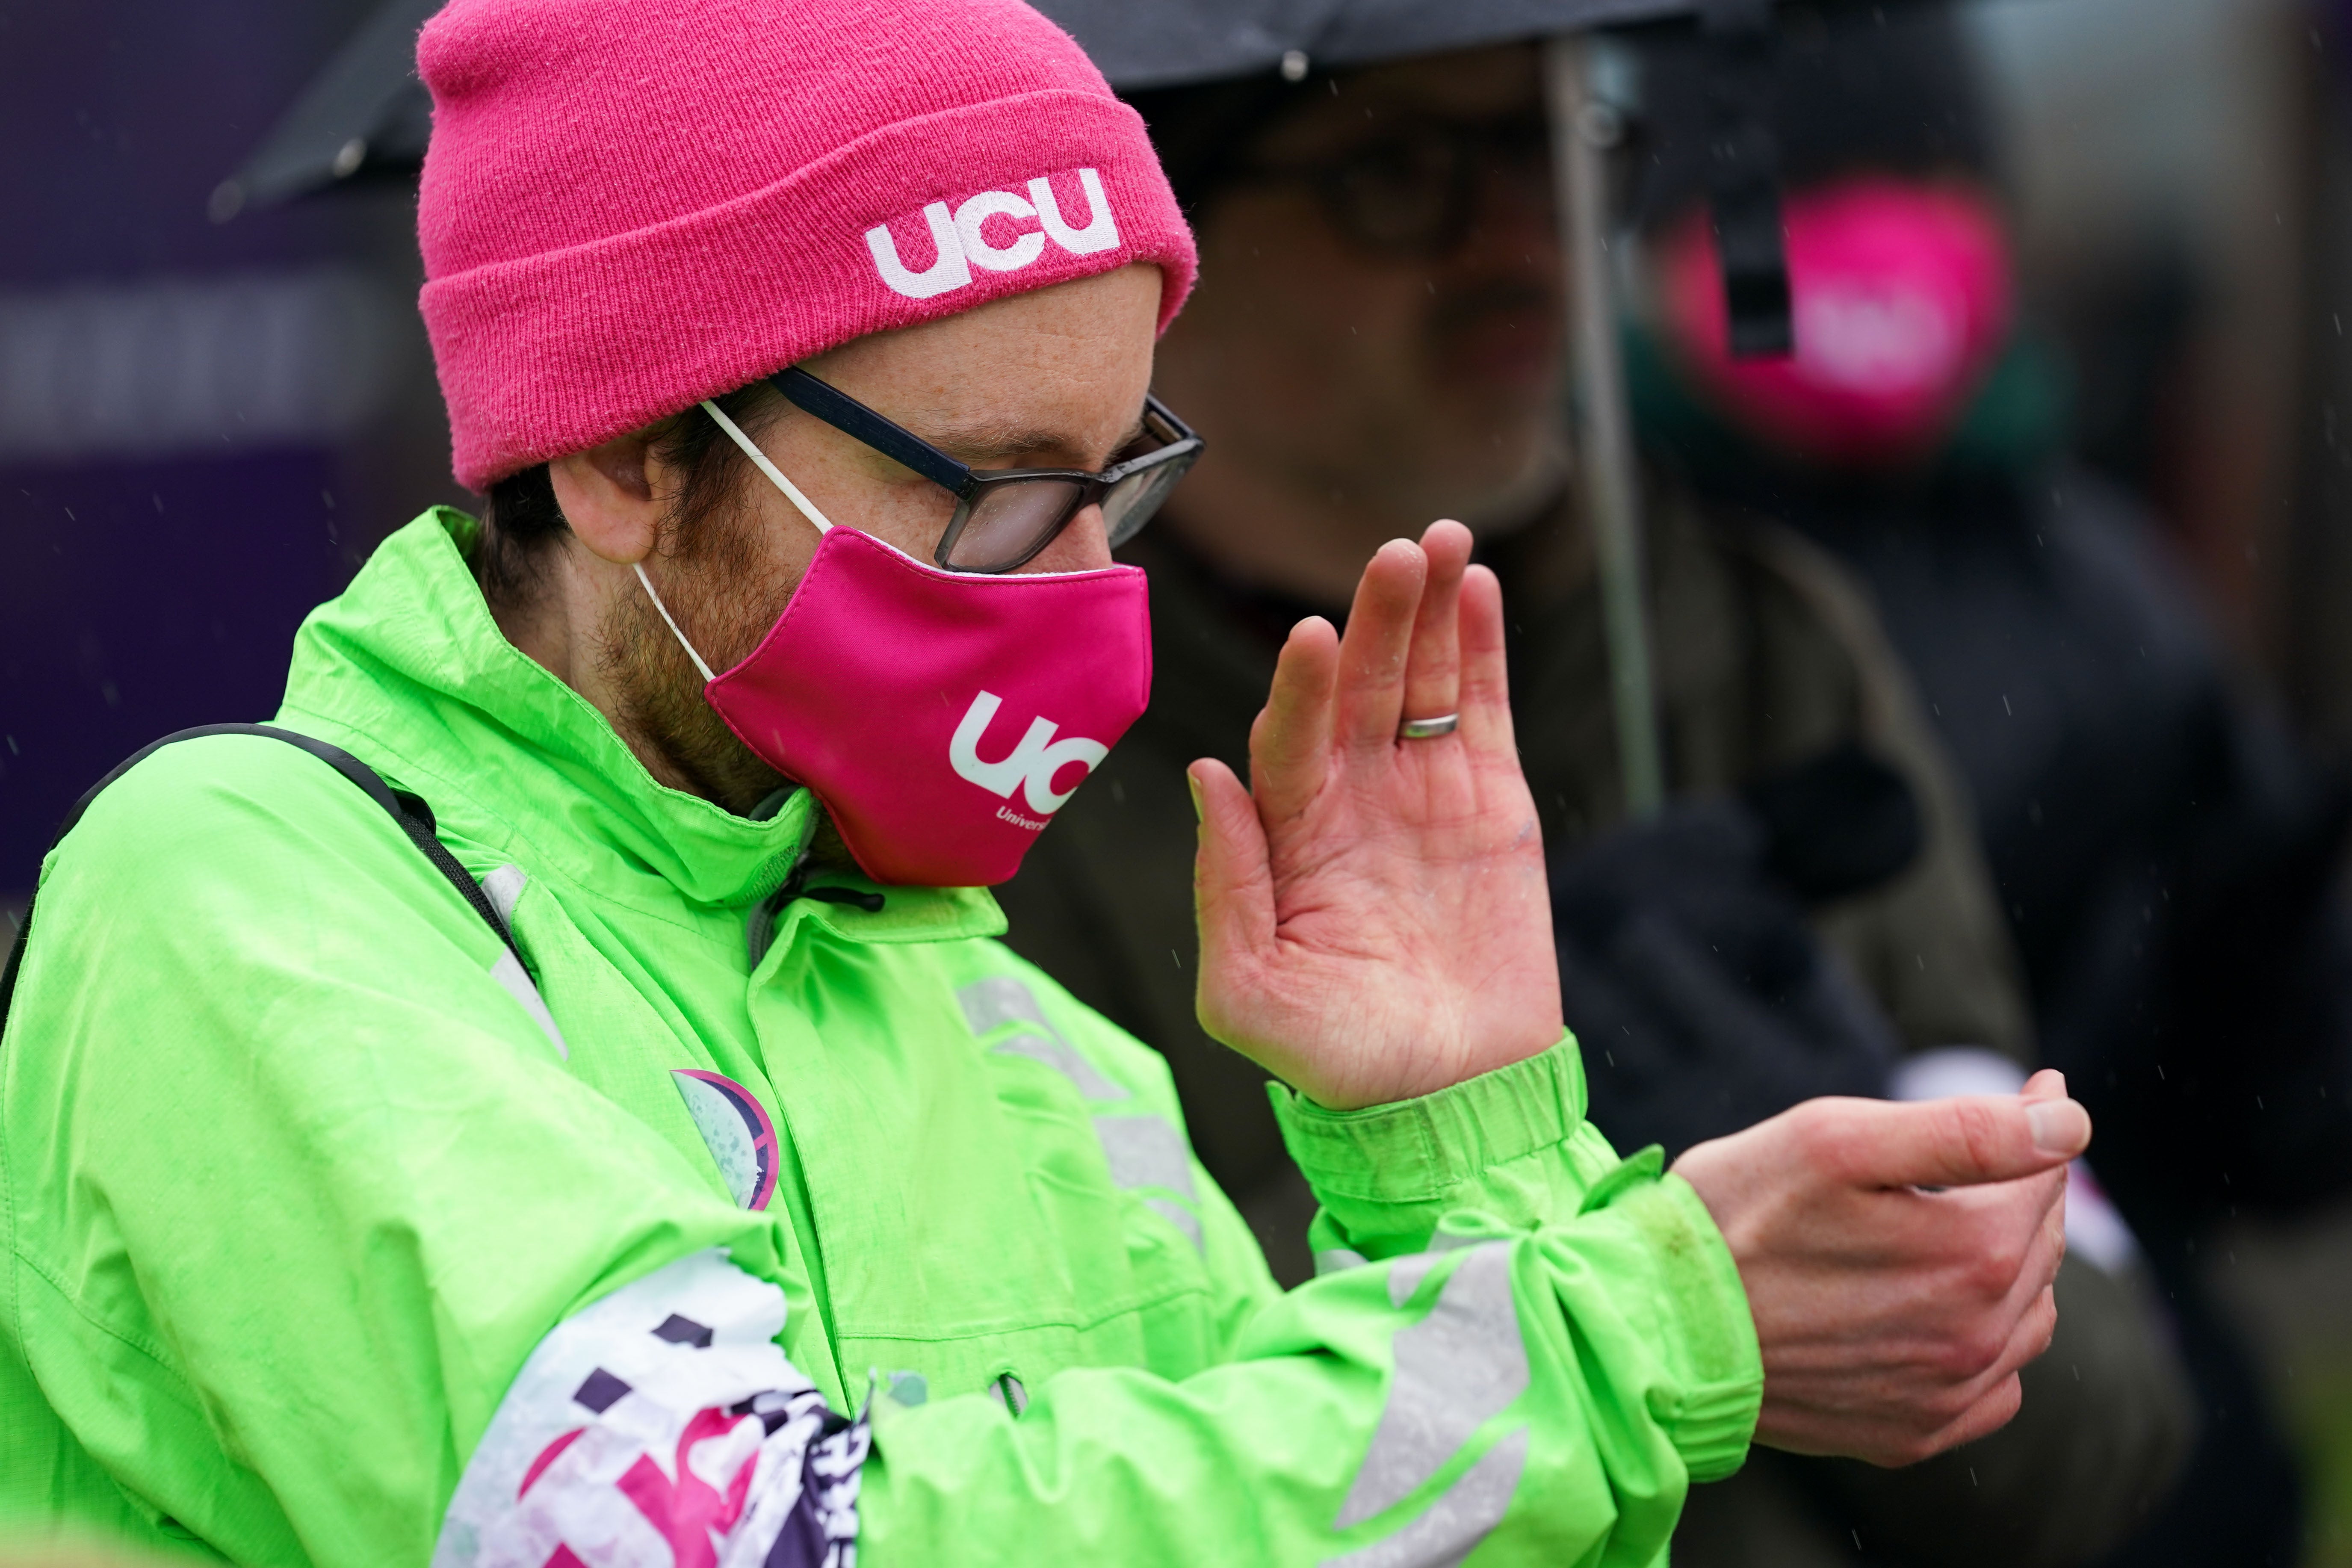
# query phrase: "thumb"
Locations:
[[1965, 1141], [2047, 1084]]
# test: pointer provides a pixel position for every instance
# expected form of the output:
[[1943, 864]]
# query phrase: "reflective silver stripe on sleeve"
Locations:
[[1455, 1370], [1333, 1260], [1407, 1272], [1450, 1528], [1405, 1275], [999, 1000]]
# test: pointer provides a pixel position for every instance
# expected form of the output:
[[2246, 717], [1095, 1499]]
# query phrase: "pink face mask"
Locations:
[[1902, 299], [942, 717]]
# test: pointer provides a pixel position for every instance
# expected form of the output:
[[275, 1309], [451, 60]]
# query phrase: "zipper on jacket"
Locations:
[[760, 931]]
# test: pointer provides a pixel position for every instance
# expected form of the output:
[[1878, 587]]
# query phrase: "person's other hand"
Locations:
[[1701, 997], [1374, 923], [1892, 1319]]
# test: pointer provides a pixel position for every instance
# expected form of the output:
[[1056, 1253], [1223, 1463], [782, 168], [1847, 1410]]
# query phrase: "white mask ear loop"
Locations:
[[760, 460], [671, 623], [792, 492]]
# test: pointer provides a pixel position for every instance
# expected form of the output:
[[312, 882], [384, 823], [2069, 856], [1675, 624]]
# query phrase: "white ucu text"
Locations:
[[1029, 767], [959, 239]]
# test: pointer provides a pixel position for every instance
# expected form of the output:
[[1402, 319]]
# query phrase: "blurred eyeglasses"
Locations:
[[1003, 517], [1414, 190]]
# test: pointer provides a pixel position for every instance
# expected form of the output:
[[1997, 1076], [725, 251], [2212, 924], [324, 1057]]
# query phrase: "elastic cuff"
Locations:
[[1710, 1342], [1421, 1151]]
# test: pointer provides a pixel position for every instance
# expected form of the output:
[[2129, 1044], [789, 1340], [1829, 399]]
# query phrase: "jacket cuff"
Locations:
[[1394, 1170], [1715, 1366]]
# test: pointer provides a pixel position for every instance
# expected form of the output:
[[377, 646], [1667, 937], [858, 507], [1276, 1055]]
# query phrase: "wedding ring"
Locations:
[[1429, 729]]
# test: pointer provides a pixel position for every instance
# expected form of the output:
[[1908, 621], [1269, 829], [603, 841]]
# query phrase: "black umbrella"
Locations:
[[1165, 43], [365, 115]]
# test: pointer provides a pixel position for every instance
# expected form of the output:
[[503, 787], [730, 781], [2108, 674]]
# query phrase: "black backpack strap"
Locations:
[[415, 819]]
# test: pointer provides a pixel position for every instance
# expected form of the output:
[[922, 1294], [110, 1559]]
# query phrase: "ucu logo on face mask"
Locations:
[[959, 239], [1030, 766]]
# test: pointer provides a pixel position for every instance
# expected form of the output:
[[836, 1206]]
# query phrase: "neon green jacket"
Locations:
[[335, 1235]]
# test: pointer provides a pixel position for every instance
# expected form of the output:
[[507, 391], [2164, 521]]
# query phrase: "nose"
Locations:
[[1083, 545]]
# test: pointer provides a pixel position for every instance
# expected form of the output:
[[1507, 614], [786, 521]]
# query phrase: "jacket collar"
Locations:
[[410, 663]]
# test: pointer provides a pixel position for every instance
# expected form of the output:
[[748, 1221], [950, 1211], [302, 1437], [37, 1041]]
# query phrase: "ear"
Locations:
[[607, 496]]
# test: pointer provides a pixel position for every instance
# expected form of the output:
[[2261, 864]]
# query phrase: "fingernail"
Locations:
[[1193, 788], [2059, 1126]]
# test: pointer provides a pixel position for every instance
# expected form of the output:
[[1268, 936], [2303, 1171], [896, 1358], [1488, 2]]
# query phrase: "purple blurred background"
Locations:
[[202, 426]]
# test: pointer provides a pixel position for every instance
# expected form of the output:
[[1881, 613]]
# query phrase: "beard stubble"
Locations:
[[726, 593]]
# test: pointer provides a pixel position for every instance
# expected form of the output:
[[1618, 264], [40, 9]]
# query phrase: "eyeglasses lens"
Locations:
[[1010, 522], [1132, 502]]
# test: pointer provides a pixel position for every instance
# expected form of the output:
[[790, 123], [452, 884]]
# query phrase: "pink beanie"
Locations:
[[632, 204]]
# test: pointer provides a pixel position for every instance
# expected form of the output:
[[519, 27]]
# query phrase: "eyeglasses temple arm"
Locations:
[[852, 418], [1184, 432]]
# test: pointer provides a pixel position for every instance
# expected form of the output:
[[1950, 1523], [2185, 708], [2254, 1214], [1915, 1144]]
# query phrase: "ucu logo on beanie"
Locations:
[[961, 239]]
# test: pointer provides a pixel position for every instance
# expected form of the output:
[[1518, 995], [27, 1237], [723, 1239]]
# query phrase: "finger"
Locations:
[[1290, 743], [1995, 1409], [2008, 1240], [1965, 1141], [1370, 699], [1486, 694], [1433, 681], [1233, 884], [2000, 1391], [2041, 1204]]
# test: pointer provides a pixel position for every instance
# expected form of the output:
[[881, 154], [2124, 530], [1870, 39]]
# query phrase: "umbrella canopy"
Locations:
[[1168, 43], [366, 113]]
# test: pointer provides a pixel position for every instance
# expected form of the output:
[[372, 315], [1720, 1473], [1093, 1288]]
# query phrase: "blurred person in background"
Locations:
[[1379, 335], [2168, 860]]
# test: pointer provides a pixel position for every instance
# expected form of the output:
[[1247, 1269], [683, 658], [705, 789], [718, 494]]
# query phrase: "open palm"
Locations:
[[1374, 921]]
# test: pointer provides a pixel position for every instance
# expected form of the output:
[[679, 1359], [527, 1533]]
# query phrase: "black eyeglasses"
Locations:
[[1414, 190], [1003, 517]]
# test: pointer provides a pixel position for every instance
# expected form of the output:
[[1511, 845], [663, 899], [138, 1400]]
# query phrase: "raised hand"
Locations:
[[1892, 1319], [1374, 922]]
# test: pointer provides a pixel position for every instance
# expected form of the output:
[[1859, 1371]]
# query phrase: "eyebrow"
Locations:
[[985, 445]]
